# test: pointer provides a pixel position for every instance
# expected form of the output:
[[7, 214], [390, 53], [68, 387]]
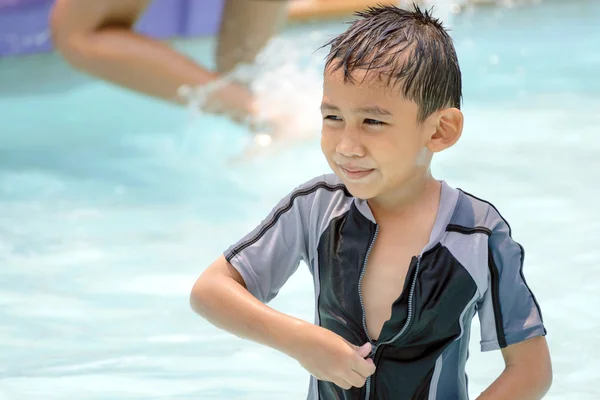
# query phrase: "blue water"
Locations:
[[111, 205]]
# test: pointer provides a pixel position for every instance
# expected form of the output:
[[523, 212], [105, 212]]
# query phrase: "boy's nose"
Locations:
[[350, 145]]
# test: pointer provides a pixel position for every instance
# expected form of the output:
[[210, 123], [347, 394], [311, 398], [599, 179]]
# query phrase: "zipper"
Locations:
[[410, 304], [408, 318], [362, 306]]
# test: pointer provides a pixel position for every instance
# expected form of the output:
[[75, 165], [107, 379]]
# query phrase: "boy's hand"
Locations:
[[329, 357]]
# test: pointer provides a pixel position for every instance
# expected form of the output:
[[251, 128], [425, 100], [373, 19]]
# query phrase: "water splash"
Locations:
[[286, 81]]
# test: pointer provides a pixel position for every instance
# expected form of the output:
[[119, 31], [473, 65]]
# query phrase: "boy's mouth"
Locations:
[[354, 173]]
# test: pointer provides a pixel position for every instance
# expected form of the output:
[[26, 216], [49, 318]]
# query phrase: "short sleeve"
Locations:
[[508, 311], [268, 255]]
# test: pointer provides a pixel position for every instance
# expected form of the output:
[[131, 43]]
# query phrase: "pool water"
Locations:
[[112, 204]]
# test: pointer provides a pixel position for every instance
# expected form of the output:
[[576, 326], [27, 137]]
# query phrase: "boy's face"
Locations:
[[371, 137]]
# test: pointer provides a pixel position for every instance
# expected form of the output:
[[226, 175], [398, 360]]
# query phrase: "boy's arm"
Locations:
[[220, 296], [511, 320], [527, 374], [233, 292]]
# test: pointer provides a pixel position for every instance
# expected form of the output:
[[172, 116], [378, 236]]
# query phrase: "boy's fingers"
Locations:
[[365, 349], [364, 367], [356, 379]]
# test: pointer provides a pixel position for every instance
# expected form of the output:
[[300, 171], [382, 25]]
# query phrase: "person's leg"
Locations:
[[246, 27], [96, 37]]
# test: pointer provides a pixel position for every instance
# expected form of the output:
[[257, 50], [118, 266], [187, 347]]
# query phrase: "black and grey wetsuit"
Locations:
[[471, 265]]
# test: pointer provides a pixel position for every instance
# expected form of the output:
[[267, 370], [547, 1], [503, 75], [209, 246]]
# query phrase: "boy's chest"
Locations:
[[363, 281], [385, 277]]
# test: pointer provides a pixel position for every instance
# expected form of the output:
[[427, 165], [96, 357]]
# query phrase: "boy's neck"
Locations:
[[420, 194]]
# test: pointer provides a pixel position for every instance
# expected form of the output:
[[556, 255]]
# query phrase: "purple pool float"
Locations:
[[24, 24]]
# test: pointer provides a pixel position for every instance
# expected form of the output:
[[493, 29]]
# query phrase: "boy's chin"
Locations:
[[359, 191]]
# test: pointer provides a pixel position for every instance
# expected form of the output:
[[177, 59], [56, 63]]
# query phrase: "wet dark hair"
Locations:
[[409, 47]]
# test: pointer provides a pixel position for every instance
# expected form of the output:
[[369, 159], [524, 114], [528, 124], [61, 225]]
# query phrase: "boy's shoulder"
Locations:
[[321, 190], [318, 201], [477, 214], [469, 212], [327, 194], [329, 182]]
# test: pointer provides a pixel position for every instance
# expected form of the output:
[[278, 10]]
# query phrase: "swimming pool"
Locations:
[[112, 204]]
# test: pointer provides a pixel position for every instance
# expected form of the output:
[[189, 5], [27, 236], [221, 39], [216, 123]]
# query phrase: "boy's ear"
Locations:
[[447, 131]]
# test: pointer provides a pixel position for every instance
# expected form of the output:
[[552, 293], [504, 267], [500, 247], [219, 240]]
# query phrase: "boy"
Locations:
[[401, 261]]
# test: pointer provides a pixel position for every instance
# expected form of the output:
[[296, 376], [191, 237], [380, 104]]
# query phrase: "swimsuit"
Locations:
[[471, 265]]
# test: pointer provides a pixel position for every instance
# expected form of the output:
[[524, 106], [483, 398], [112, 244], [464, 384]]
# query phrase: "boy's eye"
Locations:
[[370, 121], [367, 121]]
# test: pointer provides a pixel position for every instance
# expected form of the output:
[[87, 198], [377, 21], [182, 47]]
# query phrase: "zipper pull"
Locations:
[[373, 350]]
